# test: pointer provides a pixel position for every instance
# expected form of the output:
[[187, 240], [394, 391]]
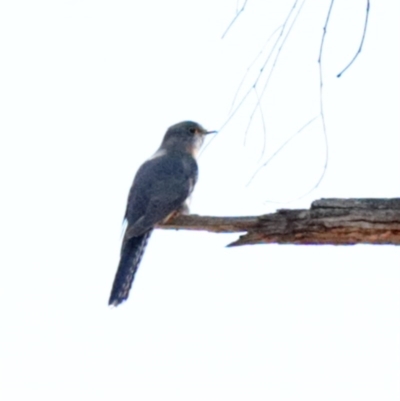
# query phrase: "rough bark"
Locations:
[[328, 221]]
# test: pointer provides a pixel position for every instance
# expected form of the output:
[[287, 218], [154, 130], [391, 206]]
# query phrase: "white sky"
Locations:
[[87, 90]]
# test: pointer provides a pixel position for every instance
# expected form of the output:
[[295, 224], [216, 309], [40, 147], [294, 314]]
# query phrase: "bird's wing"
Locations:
[[160, 187]]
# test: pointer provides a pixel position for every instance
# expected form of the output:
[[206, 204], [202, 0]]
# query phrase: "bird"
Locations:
[[159, 191]]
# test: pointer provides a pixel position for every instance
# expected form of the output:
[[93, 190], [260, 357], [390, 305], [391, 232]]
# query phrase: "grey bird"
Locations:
[[159, 191]]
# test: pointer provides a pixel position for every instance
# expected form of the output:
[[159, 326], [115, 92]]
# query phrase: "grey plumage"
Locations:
[[159, 190], [131, 254]]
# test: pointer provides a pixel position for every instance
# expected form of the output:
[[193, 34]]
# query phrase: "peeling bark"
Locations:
[[327, 222]]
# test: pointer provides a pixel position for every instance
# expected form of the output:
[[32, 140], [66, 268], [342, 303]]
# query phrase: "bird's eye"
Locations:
[[192, 130]]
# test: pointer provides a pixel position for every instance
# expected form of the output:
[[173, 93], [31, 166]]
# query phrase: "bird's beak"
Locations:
[[202, 131]]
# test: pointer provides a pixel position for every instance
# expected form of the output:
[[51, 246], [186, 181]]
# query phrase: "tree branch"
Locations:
[[328, 221]]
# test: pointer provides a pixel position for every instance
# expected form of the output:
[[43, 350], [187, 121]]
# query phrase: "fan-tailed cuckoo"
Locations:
[[159, 191]]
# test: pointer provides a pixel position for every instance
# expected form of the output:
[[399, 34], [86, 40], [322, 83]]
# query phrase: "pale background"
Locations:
[[87, 89]]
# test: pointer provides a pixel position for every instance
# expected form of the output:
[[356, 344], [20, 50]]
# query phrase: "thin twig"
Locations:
[[280, 148], [274, 64], [260, 73], [321, 114], [321, 102], [232, 114], [280, 41], [251, 66], [235, 18], [361, 43], [264, 128]]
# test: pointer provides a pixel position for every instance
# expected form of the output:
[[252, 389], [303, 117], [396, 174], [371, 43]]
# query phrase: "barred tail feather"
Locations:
[[131, 254]]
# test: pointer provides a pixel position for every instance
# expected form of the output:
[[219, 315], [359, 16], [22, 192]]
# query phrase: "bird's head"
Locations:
[[185, 136]]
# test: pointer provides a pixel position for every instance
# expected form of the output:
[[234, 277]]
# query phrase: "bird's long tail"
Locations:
[[131, 254]]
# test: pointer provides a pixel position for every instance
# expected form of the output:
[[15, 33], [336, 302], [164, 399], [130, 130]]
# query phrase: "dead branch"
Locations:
[[327, 222]]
